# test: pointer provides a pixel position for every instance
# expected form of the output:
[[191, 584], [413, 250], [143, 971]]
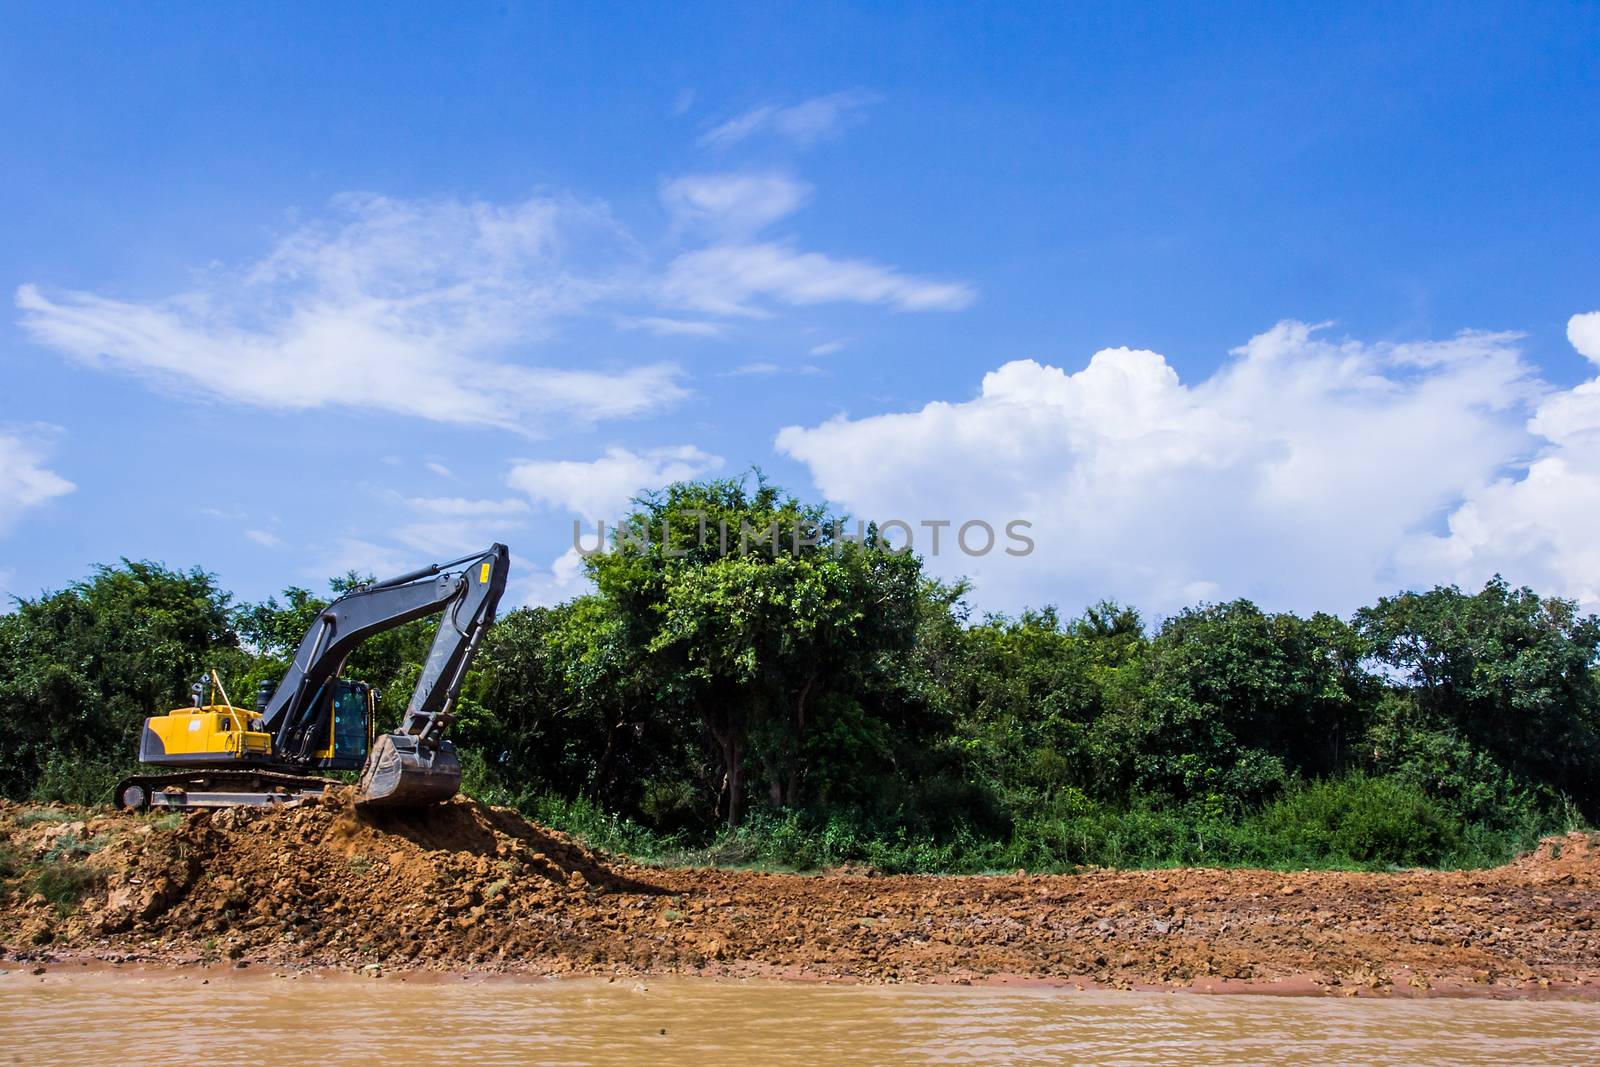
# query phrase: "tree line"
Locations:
[[818, 702]]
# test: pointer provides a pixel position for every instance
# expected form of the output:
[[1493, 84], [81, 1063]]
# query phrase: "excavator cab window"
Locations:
[[350, 734]]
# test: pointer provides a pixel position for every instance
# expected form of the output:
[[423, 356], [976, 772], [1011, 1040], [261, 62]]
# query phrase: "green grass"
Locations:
[[1352, 823], [63, 883]]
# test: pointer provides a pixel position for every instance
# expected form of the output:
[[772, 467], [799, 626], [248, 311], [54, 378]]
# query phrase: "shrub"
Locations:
[[1366, 821]]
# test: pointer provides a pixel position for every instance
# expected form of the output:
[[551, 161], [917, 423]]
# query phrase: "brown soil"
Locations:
[[469, 887]]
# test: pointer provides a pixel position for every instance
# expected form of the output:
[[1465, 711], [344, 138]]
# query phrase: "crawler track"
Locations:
[[209, 788]]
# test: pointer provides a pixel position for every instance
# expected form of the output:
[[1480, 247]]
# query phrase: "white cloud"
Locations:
[[359, 555], [548, 586], [1300, 473], [265, 538], [424, 308], [724, 279], [827, 348], [803, 124], [753, 368], [1536, 527], [600, 489], [25, 482], [437, 539], [458, 507], [729, 276], [448, 310], [732, 203], [435, 467], [668, 327], [1584, 333]]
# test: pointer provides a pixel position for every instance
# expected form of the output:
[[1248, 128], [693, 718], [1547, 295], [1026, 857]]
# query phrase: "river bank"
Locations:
[[470, 889]]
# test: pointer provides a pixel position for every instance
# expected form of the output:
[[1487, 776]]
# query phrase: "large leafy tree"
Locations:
[[1507, 672], [1233, 701], [80, 669], [762, 617]]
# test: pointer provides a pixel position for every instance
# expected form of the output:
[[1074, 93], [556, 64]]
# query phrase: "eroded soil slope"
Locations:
[[465, 886]]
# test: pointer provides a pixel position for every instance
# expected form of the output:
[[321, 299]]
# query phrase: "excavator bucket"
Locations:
[[400, 773]]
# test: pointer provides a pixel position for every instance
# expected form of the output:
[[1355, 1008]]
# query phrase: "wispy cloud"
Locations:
[[438, 538], [264, 538], [827, 348], [668, 327], [802, 124], [25, 481], [456, 311], [732, 204], [424, 308], [725, 279], [460, 506], [433, 466], [359, 555], [730, 275], [745, 369]]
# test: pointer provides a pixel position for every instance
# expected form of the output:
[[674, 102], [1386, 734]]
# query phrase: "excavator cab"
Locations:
[[348, 714]]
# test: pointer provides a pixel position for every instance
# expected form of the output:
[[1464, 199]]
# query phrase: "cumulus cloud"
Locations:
[[600, 489], [1302, 473], [1584, 333], [802, 124], [424, 308], [1537, 524], [25, 481]]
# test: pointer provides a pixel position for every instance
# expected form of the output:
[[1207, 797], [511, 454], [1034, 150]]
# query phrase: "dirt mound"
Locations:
[[1561, 860], [326, 882], [464, 885]]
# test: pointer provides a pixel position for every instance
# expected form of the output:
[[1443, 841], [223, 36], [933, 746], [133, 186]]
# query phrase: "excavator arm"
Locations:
[[414, 765]]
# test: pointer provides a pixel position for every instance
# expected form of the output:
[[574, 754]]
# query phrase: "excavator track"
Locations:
[[216, 789]]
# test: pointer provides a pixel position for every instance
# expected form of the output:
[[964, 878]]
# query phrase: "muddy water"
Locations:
[[118, 1019]]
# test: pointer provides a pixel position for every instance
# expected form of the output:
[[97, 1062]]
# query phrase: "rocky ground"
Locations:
[[465, 887]]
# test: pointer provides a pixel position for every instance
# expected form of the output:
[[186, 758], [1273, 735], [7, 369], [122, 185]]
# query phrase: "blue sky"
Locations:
[[294, 290]]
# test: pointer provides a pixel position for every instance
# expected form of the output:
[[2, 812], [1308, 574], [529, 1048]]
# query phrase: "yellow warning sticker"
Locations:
[[483, 574]]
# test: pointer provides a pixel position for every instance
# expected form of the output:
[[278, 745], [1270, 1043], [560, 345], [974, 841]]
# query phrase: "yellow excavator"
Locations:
[[218, 755]]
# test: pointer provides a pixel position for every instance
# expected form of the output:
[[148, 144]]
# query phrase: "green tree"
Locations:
[[1503, 672], [1234, 701], [81, 669], [755, 613]]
